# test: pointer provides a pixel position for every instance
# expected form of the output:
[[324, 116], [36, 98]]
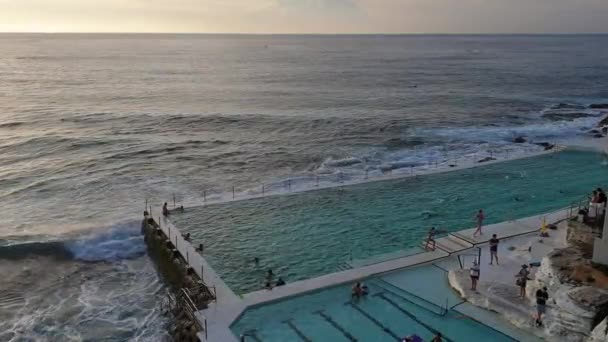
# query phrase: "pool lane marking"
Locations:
[[380, 283], [410, 315], [336, 325], [375, 321], [298, 332]]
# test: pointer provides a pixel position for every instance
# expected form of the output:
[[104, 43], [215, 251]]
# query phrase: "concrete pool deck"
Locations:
[[222, 314], [496, 289]]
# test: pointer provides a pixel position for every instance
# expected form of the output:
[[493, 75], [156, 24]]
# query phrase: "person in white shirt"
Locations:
[[474, 272]]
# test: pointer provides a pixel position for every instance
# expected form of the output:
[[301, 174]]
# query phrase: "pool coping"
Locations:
[[221, 315], [388, 177]]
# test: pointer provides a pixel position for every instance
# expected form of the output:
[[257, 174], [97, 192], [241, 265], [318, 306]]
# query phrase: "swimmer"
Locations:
[[364, 290], [280, 282], [256, 260], [356, 291], [199, 248]]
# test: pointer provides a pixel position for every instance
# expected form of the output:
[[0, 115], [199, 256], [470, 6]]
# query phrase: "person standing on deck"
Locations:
[[165, 210], [474, 272], [494, 249], [522, 280], [430, 240], [541, 305], [480, 217]]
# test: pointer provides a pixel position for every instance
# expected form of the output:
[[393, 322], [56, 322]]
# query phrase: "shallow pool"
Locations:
[[388, 313], [308, 234]]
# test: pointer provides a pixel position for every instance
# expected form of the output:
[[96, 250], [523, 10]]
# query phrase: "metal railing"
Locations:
[[190, 308], [462, 258], [339, 178]]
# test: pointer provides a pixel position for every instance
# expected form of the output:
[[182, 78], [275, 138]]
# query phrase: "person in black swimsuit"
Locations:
[[494, 249]]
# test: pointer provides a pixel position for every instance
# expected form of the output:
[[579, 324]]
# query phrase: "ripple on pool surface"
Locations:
[[308, 234]]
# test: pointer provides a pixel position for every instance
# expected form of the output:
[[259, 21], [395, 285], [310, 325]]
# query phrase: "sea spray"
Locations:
[[121, 241]]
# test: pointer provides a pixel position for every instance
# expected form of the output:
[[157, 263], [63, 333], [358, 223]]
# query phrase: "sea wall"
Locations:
[[190, 294]]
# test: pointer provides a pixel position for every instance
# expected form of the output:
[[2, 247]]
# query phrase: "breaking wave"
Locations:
[[121, 241]]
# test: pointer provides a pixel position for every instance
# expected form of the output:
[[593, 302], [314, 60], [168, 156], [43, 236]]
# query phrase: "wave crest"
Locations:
[[121, 241]]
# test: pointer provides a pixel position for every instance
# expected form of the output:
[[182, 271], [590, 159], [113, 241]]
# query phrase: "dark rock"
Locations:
[[599, 106], [486, 159], [594, 131], [598, 135], [604, 122], [519, 140], [568, 106], [546, 145], [566, 116], [589, 297]]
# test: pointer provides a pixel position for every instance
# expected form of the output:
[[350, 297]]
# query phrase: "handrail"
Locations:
[[191, 309]]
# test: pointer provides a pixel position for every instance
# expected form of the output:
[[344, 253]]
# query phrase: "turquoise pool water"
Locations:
[[388, 313], [307, 234]]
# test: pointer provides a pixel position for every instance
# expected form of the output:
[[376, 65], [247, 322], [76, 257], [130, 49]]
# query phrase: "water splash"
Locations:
[[121, 241]]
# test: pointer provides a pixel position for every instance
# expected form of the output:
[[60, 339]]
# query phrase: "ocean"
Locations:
[[93, 126]]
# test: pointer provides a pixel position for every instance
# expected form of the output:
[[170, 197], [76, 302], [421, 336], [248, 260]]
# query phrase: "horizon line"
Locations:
[[314, 34]]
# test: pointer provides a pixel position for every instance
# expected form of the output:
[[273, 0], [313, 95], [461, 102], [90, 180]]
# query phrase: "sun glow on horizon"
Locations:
[[304, 16]]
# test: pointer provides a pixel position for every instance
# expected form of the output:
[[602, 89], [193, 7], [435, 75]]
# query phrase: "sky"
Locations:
[[306, 16]]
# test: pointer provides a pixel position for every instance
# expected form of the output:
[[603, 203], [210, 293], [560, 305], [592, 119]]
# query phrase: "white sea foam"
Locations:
[[540, 131], [121, 241]]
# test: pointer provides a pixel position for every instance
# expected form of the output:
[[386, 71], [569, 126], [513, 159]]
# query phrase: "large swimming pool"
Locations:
[[308, 234]]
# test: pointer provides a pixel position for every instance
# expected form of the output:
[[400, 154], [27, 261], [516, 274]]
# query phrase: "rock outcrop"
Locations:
[[546, 145], [519, 140], [486, 159], [561, 116], [600, 333], [568, 106], [599, 106], [578, 292]]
